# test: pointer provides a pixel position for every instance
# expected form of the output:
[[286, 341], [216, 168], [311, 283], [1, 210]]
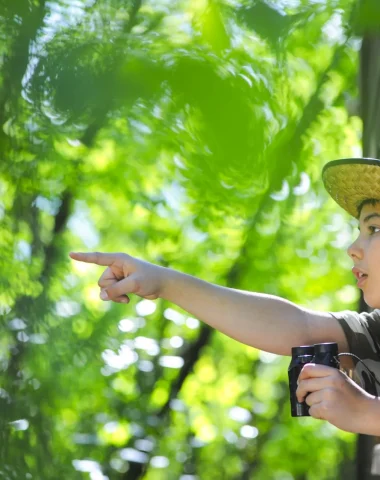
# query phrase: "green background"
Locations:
[[190, 134]]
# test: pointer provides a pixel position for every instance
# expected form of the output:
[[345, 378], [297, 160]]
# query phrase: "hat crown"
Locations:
[[351, 181]]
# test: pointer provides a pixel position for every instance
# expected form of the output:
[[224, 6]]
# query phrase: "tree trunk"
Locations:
[[370, 113]]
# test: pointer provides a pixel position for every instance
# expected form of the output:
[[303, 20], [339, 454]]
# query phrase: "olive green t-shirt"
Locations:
[[362, 331]]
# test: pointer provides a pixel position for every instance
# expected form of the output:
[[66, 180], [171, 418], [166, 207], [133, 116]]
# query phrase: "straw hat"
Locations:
[[350, 181]]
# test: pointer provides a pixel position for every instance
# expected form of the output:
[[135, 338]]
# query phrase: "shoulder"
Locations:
[[362, 331], [358, 321]]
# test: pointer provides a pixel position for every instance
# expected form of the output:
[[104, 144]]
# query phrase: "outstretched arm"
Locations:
[[263, 321]]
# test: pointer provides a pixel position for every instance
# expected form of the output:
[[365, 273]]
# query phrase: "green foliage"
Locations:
[[190, 134]]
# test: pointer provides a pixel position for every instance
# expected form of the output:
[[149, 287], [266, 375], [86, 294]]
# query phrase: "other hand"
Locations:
[[334, 397]]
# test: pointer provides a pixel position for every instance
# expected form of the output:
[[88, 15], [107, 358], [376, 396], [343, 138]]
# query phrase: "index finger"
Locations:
[[98, 258], [313, 370]]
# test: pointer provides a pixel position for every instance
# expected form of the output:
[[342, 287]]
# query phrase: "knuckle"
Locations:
[[152, 297], [305, 370], [304, 384], [324, 409], [313, 410], [105, 282], [112, 292], [338, 380], [136, 284], [329, 394], [341, 380], [300, 391], [318, 411]]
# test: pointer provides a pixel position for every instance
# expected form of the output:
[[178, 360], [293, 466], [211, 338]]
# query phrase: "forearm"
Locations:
[[266, 322]]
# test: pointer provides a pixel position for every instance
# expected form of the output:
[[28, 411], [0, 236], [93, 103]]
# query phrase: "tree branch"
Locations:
[[16, 62], [136, 5], [190, 357]]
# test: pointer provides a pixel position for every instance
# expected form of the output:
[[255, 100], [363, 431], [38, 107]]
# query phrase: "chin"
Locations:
[[373, 301]]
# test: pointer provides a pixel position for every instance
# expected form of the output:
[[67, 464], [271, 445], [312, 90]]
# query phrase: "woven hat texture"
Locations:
[[351, 181]]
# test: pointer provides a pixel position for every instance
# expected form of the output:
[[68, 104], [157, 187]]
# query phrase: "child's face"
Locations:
[[365, 253]]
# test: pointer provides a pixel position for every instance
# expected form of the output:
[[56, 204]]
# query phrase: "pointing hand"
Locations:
[[124, 275]]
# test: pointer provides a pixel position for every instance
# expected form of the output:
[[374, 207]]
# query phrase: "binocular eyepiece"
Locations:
[[322, 354]]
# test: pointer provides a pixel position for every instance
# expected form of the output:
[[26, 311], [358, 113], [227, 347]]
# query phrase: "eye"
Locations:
[[372, 229]]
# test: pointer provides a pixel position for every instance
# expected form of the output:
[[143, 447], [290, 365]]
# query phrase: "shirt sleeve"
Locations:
[[362, 331]]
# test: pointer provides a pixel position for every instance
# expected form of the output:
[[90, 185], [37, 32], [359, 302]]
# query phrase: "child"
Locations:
[[256, 319]]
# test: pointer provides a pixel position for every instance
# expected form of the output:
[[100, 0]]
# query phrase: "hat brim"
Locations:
[[350, 181]]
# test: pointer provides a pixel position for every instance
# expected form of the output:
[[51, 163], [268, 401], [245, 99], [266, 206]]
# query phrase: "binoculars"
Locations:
[[322, 354]]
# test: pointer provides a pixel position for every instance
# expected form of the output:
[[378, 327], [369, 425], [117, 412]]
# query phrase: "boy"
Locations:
[[256, 319]]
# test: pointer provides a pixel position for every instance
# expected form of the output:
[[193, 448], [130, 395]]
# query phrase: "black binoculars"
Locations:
[[322, 354]]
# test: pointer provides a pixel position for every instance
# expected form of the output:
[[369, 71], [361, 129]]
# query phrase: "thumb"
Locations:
[[123, 287]]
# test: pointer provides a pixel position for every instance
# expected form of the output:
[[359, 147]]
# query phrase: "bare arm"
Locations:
[[263, 321], [266, 322]]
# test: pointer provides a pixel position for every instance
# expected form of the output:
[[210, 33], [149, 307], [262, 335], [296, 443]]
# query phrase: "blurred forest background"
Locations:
[[190, 133]]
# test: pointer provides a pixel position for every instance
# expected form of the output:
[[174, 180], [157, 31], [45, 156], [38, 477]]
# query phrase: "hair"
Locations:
[[367, 201]]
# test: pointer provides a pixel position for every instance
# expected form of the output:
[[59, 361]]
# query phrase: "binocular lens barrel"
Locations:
[[322, 354]]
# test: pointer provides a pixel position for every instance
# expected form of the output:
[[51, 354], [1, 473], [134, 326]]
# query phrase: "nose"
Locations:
[[355, 250]]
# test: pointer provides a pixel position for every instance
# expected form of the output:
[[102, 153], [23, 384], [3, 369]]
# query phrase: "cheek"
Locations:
[[373, 255]]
